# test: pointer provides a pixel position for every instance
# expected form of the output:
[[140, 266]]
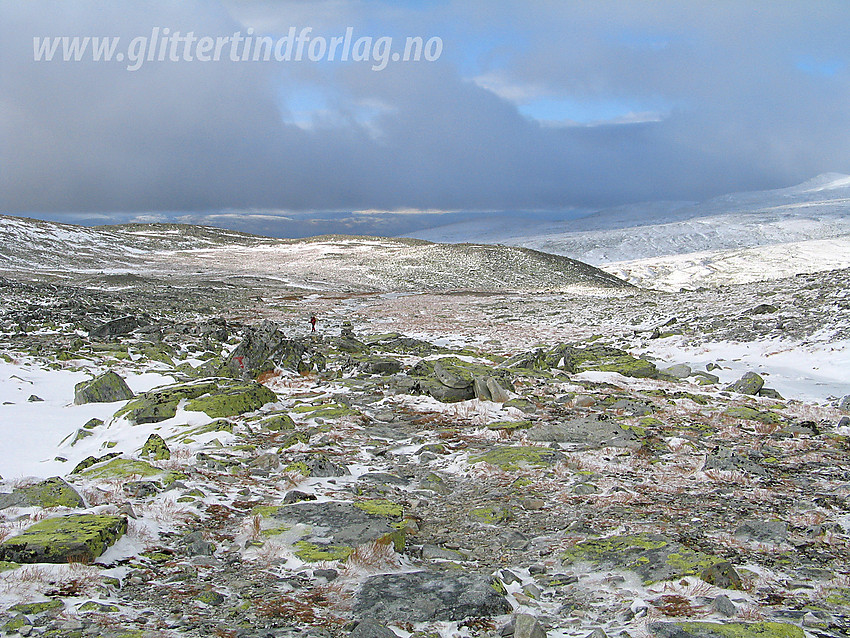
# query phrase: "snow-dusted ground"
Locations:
[[38, 431], [724, 267]]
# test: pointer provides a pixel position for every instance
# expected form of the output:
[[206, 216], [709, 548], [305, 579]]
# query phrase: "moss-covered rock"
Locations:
[[381, 507], [156, 448], [53, 492], [277, 423], [106, 388], [726, 630], [312, 553], [121, 468], [651, 556], [54, 605], [215, 397], [78, 538], [512, 458], [233, 400]]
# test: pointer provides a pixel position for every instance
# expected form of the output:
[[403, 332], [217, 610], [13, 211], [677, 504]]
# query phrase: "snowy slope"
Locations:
[[816, 209], [724, 267]]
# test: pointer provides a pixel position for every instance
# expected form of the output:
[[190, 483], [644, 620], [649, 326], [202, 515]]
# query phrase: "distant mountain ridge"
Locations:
[[186, 254]]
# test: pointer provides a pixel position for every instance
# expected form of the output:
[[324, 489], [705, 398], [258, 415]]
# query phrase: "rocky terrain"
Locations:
[[187, 459]]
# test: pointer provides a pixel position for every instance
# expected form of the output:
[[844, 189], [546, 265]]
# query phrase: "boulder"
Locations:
[[116, 327], [426, 596], [156, 447], [218, 398], [750, 384], [263, 347], [66, 539], [53, 492], [380, 365], [371, 629], [106, 388], [527, 626], [677, 371]]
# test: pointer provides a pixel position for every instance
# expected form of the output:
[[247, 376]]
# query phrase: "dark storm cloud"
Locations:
[[755, 95]]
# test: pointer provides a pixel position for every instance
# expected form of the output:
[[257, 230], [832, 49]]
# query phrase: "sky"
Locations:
[[529, 106]]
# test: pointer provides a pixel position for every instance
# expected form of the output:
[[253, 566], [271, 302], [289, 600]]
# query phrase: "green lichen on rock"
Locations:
[[105, 388], [491, 515], [98, 607], [35, 608], [6, 566], [513, 458], [325, 411], [156, 448], [277, 423], [312, 553], [118, 468], [651, 556], [381, 507], [53, 492], [233, 400], [77, 538], [217, 398], [726, 630]]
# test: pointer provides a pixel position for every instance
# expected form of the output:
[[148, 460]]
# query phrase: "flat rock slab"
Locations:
[[653, 557], [331, 530], [725, 630], [78, 538], [593, 431], [424, 596]]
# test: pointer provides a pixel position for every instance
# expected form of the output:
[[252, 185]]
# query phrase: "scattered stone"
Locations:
[[106, 388], [844, 403], [527, 626], [35, 399], [724, 606]]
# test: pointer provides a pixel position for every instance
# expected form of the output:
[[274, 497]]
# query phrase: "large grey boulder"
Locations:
[[106, 388], [750, 384], [425, 596], [263, 347]]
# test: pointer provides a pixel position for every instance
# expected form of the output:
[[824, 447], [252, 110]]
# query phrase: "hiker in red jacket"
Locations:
[[313, 321]]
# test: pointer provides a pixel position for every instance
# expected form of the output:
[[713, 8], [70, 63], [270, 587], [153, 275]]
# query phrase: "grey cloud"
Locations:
[[195, 137]]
